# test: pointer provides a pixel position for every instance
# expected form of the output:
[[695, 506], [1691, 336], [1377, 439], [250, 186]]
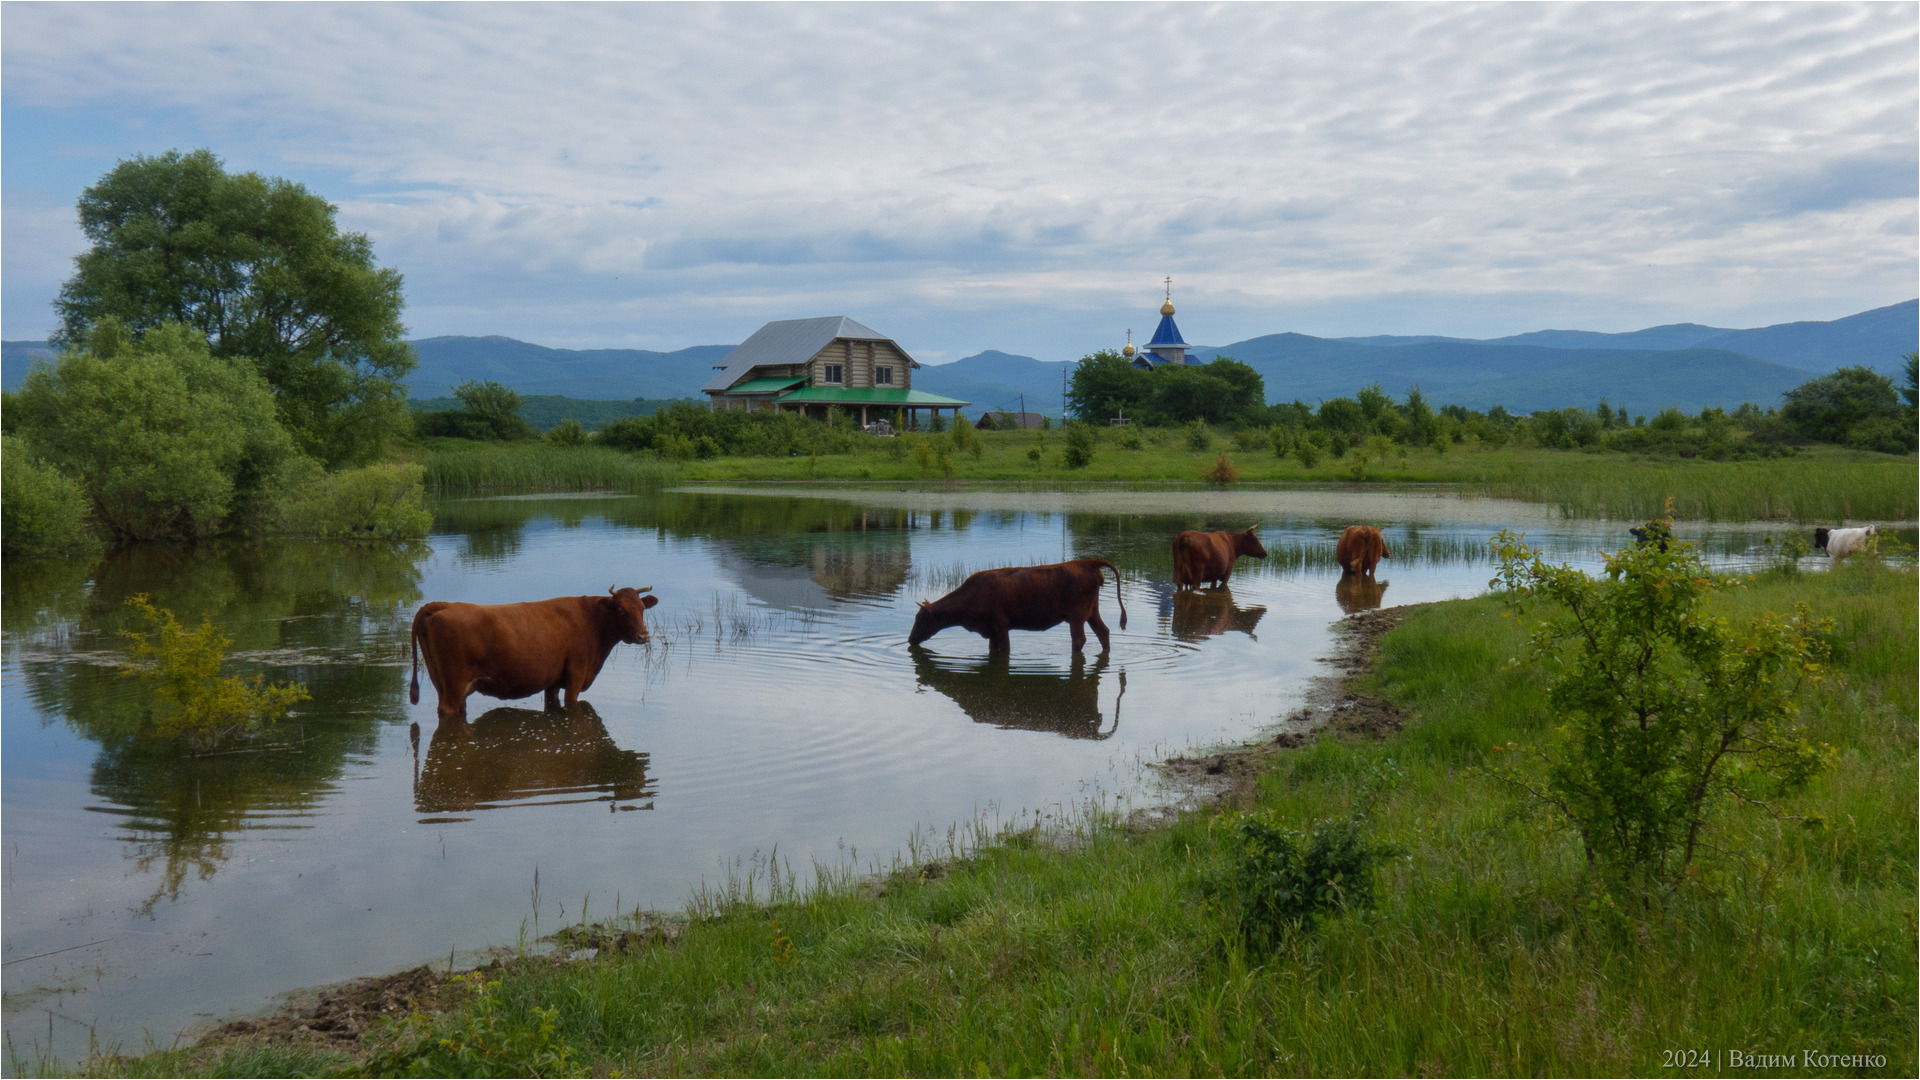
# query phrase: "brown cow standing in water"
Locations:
[[992, 602], [1208, 557], [1360, 549], [515, 650]]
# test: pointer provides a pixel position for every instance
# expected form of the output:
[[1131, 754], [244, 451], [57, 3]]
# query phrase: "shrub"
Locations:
[[1280, 880], [567, 433], [965, 438], [41, 511], [1222, 473], [1199, 436], [1250, 439], [1884, 434], [1666, 714], [1080, 443], [182, 668], [378, 502], [1280, 440], [164, 438], [1307, 452]]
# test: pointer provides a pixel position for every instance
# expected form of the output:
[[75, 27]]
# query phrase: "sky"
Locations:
[[1015, 177]]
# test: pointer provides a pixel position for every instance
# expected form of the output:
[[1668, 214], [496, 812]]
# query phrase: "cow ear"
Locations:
[[649, 600]]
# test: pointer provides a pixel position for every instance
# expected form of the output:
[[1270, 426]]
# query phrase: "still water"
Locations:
[[776, 708]]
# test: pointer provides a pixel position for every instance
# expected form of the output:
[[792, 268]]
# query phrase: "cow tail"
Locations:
[[1116, 591], [413, 689]]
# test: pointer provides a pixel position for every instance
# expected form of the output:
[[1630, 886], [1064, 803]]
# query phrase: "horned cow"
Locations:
[[515, 650]]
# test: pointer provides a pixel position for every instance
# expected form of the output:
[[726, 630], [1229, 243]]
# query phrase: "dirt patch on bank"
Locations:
[[1227, 777]]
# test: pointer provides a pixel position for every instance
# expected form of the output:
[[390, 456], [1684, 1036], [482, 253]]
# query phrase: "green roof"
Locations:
[[845, 395], [766, 386]]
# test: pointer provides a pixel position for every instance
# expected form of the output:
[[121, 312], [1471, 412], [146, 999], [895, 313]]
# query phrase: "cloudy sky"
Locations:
[[1015, 177]]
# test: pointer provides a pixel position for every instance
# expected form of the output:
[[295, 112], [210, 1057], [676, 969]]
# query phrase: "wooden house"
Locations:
[[812, 365]]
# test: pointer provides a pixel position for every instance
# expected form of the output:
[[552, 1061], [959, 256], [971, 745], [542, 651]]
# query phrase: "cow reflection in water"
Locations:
[[1356, 593], [524, 757], [992, 691], [1199, 614]]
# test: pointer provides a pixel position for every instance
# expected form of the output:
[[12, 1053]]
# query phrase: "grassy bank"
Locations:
[[1822, 485], [1488, 951]]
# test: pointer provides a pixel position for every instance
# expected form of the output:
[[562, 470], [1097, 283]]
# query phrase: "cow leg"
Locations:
[[1100, 631], [552, 700], [1079, 629], [998, 641]]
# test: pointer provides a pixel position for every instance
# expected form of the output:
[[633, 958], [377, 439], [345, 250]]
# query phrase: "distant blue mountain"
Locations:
[[1682, 364], [605, 374], [994, 381], [1521, 377]]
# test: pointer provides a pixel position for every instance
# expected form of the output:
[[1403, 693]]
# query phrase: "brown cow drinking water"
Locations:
[[1208, 557], [1360, 549], [516, 650], [992, 602]]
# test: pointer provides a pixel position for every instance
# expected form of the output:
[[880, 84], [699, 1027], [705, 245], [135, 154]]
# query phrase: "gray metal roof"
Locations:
[[789, 341]]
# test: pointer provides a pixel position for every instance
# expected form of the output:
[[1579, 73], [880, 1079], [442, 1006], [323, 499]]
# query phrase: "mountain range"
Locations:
[[1682, 364]]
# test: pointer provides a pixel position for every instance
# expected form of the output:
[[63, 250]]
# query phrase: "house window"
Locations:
[[882, 376], [832, 373]]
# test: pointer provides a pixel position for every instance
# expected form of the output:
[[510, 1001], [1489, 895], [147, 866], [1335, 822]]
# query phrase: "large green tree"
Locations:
[[1830, 407], [259, 267]]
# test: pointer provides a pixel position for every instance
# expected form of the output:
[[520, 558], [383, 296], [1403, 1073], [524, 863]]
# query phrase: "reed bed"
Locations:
[[534, 468], [1802, 490]]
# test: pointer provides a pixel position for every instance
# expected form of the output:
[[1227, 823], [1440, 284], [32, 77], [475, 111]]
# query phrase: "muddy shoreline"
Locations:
[[339, 1016]]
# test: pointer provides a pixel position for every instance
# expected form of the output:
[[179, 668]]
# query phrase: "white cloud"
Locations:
[[1640, 162]]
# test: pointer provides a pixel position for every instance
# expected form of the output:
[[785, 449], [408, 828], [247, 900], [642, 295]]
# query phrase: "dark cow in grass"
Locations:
[[1201, 558], [992, 602], [1360, 549], [516, 650]]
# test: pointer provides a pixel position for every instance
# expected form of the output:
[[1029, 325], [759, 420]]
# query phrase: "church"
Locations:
[[1166, 346]]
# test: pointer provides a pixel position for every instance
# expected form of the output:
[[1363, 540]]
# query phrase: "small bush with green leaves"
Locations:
[[1199, 436], [1281, 879], [567, 432], [1080, 443], [1307, 452], [196, 702], [1667, 716]]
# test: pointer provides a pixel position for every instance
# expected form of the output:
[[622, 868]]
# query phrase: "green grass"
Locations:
[[1096, 950], [459, 467], [1825, 485]]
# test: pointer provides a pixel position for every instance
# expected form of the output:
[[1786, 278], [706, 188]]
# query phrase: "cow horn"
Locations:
[[611, 591], [644, 588], [926, 603]]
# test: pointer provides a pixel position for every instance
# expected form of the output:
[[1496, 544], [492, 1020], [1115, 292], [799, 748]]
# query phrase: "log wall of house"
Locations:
[[857, 360]]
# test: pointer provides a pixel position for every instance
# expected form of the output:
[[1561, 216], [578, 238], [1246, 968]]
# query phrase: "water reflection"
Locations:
[[1198, 614], [327, 615], [993, 691], [1356, 593], [524, 757]]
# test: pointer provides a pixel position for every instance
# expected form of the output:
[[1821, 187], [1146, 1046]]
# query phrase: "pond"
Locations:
[[776, 715]]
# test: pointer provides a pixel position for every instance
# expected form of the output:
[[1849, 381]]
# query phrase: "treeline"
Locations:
[[1854, 406], [231, 362], [543, 412]]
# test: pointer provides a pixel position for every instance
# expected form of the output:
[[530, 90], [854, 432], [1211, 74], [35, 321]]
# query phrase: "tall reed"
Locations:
[[1804, 490], [538, 467]]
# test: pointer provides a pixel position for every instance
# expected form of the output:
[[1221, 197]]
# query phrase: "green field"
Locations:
[[1095, 948]]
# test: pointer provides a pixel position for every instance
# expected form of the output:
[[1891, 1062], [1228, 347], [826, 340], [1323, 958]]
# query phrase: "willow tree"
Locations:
[[257, 265]]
